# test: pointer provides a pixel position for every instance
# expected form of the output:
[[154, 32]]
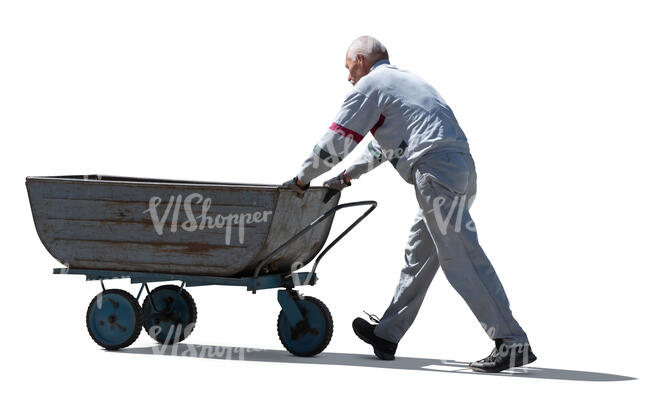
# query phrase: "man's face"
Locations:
[[357, 68]]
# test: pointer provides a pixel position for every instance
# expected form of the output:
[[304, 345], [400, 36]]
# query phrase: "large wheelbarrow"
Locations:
[[198, 233]]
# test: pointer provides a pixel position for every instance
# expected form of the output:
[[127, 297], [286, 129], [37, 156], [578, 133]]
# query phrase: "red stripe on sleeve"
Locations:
[[341, 130], [378, 124]]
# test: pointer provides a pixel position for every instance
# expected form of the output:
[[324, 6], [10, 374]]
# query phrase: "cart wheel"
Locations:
[[114, 319], [173, 317], [314, 335]]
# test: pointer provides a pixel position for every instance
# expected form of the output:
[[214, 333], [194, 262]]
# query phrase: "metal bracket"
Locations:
[[289, 307], [140, 292], [153, 304]]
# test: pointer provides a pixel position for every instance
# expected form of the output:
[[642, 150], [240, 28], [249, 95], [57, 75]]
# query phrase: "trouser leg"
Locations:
[[445, 187], [421, 264]]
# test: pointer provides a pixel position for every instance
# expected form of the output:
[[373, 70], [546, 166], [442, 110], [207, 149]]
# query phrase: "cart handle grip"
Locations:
[[320, 219]]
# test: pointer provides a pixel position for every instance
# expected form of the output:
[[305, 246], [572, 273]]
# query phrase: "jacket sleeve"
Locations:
[[356, 117], [371, 157]]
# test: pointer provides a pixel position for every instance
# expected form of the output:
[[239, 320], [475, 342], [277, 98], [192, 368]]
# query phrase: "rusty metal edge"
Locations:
[[129, 181]]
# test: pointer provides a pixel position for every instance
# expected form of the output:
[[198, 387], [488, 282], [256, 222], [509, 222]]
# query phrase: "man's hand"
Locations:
[[296, 185], [339, 182]]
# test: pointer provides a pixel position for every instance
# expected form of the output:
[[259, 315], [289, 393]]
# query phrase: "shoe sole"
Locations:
[[380, 355], [532, 359]]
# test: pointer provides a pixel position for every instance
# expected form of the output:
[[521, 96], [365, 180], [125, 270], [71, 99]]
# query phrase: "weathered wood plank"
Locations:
[[213, 270], [189, 254], [110, 191], [137, 210], [144, 231]]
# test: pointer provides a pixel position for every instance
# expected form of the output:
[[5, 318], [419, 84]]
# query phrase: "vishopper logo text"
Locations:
[[203, 221], [172, 346]]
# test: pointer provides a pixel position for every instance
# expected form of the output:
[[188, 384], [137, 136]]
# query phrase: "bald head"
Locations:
[[362, 54], [368, 47]]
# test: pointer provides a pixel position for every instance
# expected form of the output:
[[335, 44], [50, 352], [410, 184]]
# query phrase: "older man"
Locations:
[[417, 132]]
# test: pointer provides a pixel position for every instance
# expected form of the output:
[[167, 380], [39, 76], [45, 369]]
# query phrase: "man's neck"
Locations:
[[379, 62]]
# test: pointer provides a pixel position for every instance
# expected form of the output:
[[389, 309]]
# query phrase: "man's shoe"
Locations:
[[383, 349], [504, 357]]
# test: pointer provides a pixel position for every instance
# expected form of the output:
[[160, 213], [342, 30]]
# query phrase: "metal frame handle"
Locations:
[[320, 219]]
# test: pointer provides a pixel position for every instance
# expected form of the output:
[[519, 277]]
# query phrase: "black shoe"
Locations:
[[504, 357], [383, 349]]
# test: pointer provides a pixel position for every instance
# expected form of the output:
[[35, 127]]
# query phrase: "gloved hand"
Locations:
[[338, 182], [293, 185]]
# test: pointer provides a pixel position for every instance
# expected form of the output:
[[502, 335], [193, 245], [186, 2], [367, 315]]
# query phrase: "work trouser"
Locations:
[[444, 234]]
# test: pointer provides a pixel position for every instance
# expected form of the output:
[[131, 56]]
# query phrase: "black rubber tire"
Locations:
[[138, 320], [146, 321], [328, 334]]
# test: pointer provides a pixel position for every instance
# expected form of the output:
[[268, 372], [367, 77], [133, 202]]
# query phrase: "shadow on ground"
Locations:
[[338, 359]]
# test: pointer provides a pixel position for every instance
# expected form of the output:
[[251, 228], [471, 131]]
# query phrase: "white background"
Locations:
[[553, 98]]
